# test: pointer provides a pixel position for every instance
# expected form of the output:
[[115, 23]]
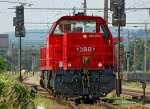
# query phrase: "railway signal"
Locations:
[[19, 22], [118, 19], [118, 16]]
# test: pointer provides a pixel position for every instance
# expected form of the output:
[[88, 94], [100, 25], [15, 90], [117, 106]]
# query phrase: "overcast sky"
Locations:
[[6, 15]]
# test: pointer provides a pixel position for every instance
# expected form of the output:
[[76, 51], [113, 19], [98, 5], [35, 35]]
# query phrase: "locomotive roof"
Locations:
[[81, 18], [98, 18]]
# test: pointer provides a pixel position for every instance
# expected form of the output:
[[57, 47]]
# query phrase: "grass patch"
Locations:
[[125, 102], [132, 85], [39, 101], [122, 101]]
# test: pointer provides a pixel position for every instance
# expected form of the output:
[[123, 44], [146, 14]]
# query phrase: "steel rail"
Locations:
[[135, 93]]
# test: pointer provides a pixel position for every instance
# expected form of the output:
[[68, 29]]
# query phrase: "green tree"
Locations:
[[2, 64], [139, 54]]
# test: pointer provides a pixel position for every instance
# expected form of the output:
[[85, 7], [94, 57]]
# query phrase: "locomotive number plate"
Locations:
[[86, 49]]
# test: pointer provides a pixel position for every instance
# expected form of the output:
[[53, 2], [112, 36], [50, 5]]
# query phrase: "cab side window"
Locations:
[[61, 29], [58, 30], [103, 30]]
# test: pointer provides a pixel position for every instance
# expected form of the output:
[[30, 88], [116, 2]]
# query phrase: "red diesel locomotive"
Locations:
[[78, 58]]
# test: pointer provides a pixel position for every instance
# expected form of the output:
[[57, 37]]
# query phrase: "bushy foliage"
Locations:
[[13, 94], [2, 64]]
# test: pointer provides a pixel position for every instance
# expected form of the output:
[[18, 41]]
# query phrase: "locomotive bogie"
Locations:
[[74, 83]]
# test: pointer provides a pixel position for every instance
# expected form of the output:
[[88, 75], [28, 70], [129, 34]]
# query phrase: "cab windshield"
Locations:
[[75, 26]]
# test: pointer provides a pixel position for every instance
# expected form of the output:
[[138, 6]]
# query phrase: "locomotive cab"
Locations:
[[79, 57], [77, 26]]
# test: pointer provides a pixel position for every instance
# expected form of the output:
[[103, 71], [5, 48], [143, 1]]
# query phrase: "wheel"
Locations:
[[42, 79]]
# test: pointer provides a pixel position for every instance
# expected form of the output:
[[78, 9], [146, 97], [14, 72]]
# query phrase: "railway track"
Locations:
[[136, 93], [100, 103], [71, 103], [109, 105], [46, 93]]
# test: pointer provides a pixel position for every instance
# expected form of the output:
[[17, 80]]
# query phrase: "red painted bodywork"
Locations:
[[97, 49], [116, 40], [42, 58], [70, 49]]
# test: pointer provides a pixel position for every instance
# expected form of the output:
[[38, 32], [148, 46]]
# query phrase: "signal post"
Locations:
[[18, 22], [118, 19]]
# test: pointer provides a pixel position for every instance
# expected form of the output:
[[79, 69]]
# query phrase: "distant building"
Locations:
[[4, 44]]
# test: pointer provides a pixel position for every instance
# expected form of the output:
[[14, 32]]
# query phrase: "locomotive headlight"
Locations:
[[60, 64], [100, 64], [69, 64]]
